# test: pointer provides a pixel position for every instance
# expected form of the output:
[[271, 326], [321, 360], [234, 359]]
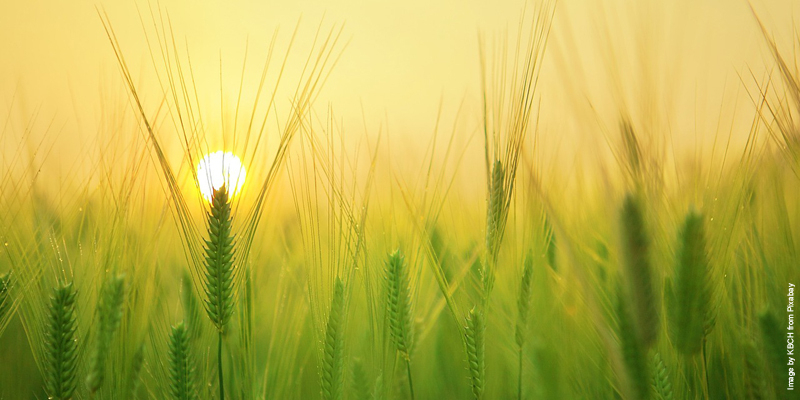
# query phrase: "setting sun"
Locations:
[[218, 169]]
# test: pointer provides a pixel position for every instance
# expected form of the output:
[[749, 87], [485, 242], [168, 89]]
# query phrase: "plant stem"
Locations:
[[219, 367], [410, 384]]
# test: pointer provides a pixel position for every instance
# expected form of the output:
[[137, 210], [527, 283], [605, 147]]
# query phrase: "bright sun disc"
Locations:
[[217, 169]]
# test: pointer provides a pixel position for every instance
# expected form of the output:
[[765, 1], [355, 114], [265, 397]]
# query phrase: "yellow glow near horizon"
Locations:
[[218, 169]]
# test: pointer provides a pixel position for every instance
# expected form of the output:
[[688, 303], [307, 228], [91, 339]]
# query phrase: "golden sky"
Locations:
[[403, 58]]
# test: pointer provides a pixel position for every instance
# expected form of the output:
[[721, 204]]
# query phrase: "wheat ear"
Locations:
[[219, 248], [474, 334], [662, 385], [690, 297], [333, 357], [181, 365], [633, 351], [523, 309], [398, 307], [636, 263], [61, 344], [109, 314]]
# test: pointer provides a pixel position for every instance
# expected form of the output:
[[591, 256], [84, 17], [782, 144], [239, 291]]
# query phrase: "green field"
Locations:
[[348, 267]]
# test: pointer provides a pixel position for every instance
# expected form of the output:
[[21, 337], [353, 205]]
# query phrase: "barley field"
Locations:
[[573, 199]]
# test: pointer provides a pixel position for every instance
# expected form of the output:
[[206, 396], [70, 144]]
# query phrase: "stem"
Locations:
[[219, 367], [410, 384], [519, 376]]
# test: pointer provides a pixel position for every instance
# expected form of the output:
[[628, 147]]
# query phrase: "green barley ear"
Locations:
[[524, 300], [476, 327], [754, 376], [690, 295], [191, 308], [136, 368], [6, 282], [662, 386], [333, 358], [550, 240], [109, 316], [494, 209], [636, 263], [361, 382], [773, 341], [633, 151], [398, 303], [523, 309], [219, 261], [633, 351], [378, 392], [181, 365], [61, 344]]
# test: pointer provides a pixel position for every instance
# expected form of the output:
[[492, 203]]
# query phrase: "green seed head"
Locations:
[[524, 300], [109, 316], [61, 345], [476, 327], [181, 365], [398, 303], [219, 249], [691, 293], [333, 357], [638, 270]]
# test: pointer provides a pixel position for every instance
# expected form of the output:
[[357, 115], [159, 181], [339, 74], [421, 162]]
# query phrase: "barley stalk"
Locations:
[[219, 248], [181, 365], [61, 344], [524, 300], [633, 352], [361, 382], [333, 357], [494, 209], [398, 303], [636, 263], [191, 308], [398, 307], [754, 379], [523, 309], [219, 261], [773, 338], [136, 368], [690, 295], [109, 314]]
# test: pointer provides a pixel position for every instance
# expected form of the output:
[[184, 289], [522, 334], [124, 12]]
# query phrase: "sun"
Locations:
[[217, 169]]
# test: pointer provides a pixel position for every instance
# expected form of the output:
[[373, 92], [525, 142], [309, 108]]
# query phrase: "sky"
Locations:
[[400, 61]]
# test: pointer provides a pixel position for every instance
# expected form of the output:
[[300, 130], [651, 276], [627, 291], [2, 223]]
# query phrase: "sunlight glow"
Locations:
[[217, 169]]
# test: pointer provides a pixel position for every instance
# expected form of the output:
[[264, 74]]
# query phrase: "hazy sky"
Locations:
[[403, 57]]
